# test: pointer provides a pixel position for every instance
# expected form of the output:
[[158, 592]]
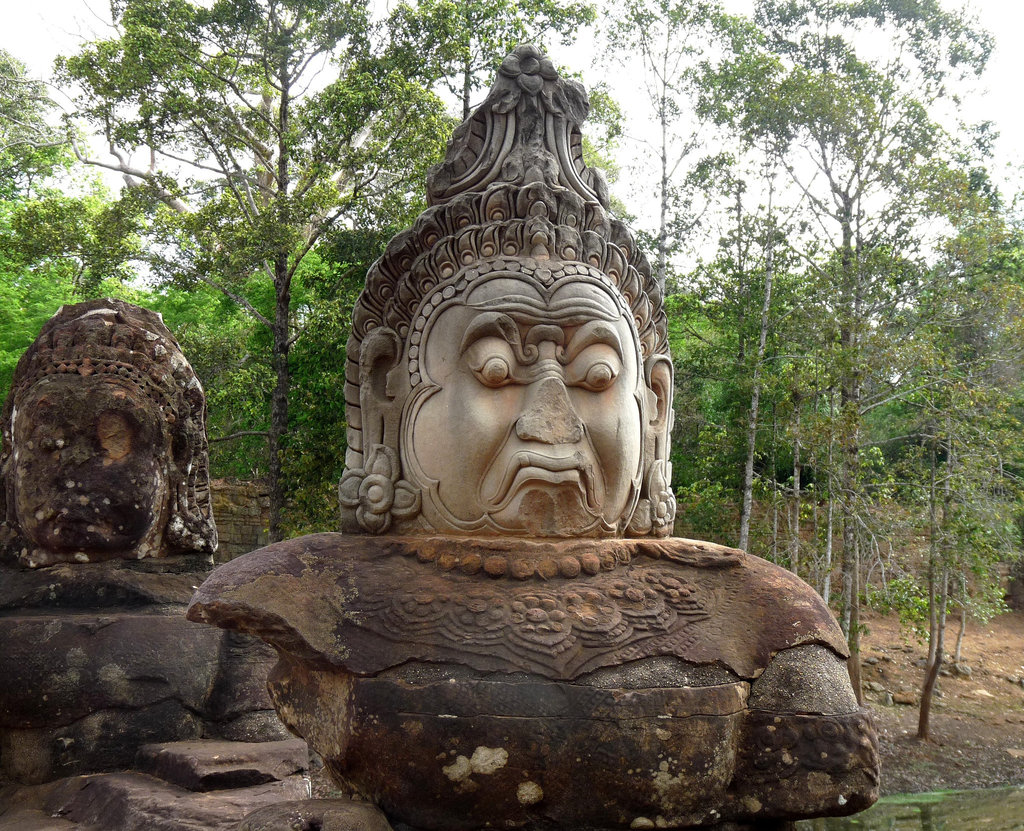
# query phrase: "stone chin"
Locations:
[[546, 495], [545, 509]]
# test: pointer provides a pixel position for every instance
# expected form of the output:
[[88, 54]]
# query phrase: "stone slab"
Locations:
[[215, 765], [371, 603], [323, 814], [32, 819], [60, 668], [101, 741], [136, 802], [100, 585]]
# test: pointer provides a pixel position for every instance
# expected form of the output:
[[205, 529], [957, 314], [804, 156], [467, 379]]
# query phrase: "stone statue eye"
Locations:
[[495, 371], [599, 377]]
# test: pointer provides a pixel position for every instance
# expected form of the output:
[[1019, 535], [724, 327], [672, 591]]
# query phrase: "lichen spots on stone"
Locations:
[[529, 793], [412, 728], [752, 804], [484, 761], [459, 770], [487, 760]]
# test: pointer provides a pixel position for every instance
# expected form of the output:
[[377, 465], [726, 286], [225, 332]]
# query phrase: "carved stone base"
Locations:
[[676, 685], [98, 660], [765, 825]]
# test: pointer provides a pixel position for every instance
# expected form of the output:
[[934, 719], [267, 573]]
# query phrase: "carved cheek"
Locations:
[[613, 426], [482, 421], [115, 436]]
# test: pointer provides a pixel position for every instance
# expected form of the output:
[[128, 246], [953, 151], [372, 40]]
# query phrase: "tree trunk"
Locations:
[[774, 556], [850, 393], [755, 392], [748, 468], [467, 87], [935, 664], [282, 311], [830, 510], [661, 267], [938, 593], [794, 540], [854, 638], [957, 656], [279, 400]]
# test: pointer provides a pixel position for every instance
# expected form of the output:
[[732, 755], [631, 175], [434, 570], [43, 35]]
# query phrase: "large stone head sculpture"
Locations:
[[508, 368], [104, 442]]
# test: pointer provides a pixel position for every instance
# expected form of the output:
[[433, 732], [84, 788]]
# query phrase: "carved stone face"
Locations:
[[530, 416], [90, 468]]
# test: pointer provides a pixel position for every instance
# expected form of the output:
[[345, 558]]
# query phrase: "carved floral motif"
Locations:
[[376, 492]]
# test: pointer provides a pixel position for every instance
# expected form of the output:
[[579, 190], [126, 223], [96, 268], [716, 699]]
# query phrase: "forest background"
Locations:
[[844, 270]]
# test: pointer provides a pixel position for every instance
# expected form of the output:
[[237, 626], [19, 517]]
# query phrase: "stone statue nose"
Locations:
[[549, 416]]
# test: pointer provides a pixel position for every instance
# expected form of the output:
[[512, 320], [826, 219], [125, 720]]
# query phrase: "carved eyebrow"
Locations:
[[492, 324], [595, 331]]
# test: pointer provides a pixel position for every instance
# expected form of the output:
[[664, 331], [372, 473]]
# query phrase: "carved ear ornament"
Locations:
[[374, 494]]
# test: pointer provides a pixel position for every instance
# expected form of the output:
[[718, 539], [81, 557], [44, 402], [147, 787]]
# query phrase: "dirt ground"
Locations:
[[977, 721]]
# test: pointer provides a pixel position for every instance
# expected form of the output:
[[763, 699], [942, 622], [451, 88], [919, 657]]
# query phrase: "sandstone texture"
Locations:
[[317, 815], [219, 765], [99, 660], [681, 683], [191, 786]]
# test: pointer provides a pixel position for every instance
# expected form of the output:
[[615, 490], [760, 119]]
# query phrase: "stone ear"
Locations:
[[372, 495], [658, 373], [656, 508], [380, 353]]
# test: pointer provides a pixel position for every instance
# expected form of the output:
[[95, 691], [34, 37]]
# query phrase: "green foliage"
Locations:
[[267, 126], [61, 240], [905, 597], [461, 44], [706, 510]]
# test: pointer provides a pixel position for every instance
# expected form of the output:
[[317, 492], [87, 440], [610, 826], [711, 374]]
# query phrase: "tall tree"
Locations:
[[869, 162], [255, 128], [460, 43], [61, 238], [671, 38], [968, 329]]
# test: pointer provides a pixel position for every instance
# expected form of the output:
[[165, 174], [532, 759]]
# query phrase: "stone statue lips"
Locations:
[[61, 520], [530, 468]]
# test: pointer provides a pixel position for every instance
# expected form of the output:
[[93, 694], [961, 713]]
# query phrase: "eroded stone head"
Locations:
[[508, 369], [104, 442]]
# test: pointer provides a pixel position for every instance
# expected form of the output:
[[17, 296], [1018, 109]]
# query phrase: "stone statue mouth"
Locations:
[[526, 467]]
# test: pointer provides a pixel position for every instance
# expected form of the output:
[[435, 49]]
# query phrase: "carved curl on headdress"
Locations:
[[115, 339], [513, 185]]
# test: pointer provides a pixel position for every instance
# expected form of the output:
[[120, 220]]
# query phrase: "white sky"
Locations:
[[35, 31]]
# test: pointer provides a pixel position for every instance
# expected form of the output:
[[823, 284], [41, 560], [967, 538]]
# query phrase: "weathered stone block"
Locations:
[[60, 668], [216, 765], [136, 802], [323, 814]]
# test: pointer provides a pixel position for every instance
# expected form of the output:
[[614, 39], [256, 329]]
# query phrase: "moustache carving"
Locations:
[[556, 465]]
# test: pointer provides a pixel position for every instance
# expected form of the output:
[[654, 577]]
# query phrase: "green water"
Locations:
[[997, 809]]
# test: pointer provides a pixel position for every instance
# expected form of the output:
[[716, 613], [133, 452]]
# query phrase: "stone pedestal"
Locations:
[[465, 683], [98, 659]]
